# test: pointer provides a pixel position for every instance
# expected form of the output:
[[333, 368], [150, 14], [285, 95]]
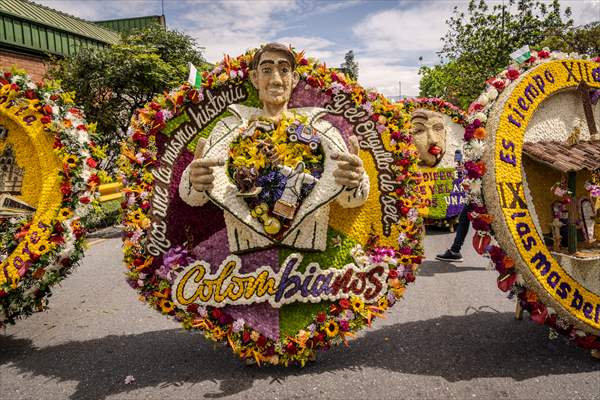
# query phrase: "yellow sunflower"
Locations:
[[71, 160], [357, 304], [64, 213], [166, 306], [383, 303], [331, 328]]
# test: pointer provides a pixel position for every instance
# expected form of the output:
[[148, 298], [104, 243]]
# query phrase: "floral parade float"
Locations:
[[272, 256], [532, 159], [47, 184], [437, 127]]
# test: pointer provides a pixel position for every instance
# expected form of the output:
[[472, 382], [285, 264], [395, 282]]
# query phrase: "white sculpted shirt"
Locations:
[[308, 230]]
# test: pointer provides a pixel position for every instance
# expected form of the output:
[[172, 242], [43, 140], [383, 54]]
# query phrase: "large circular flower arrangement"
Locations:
[[41, 236], [441, 188], [494, 170], [376, 247]]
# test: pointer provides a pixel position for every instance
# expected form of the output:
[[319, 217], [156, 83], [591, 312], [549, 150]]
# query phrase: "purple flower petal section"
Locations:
[[305, 95], [341, 124], [187, 223], [261, 317]]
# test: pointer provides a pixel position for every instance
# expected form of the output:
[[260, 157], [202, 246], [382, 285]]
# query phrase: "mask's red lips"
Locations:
[[435, 150]]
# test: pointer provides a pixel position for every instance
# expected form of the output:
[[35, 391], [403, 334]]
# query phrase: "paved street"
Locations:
[[453, 336]]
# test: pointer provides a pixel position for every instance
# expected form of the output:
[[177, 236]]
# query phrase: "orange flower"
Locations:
[[479, 133]]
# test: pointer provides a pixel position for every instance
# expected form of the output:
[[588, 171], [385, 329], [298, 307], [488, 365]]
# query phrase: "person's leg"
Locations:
[[453, 253], [461, 230]]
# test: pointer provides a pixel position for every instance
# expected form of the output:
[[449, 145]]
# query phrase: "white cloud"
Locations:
[[583, 12], [232, 27], [384, 74], [101, 10], [400, 30]]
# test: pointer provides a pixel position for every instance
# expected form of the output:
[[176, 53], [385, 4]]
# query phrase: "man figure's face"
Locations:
[[429, 133], [274, 79]]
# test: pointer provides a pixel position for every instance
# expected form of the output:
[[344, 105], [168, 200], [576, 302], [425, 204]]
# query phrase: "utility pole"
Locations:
[[399, 89]]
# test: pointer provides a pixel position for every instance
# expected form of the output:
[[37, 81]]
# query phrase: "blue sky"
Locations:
[[387, 36]]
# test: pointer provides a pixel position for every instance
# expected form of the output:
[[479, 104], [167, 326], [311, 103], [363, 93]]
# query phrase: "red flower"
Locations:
[[512, 74], [82, 127], [155, 106], [216, 313], [539, 314], [505, 282], [192, 308], [543, 54], [262, 341], [321, 317], [245, 337], [30, 94], [65, 189], [7, 74], [291, 348], [46, 119], [93, 180], [344, 303], [84, 200], [410, 277], [393, 274], [91, 162]]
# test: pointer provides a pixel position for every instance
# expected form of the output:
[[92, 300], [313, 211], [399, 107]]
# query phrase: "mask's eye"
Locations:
[[438, 127], [266, 70]]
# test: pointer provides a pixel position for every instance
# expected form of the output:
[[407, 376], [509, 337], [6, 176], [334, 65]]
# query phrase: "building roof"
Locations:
[[128, 24], [43, 15], [565, 158]]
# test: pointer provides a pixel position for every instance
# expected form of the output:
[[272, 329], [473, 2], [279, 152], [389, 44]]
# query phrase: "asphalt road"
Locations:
[[453, 336]]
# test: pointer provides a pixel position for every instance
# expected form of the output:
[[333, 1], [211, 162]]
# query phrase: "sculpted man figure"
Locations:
[[429, 132], [343, 178]]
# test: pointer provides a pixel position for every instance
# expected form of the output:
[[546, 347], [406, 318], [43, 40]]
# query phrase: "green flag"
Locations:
[[195, 78]]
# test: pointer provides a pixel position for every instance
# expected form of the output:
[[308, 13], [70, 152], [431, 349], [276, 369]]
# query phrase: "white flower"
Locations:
[[481, 116], [238, 325], [483, 99], [492, 93], [129, 379]]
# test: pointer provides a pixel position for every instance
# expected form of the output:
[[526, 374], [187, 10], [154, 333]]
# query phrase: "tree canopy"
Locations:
[[111, 83], [350, 66], [479, 42]]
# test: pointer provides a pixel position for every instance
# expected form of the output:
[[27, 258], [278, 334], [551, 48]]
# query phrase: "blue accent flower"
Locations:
[[273, 184]]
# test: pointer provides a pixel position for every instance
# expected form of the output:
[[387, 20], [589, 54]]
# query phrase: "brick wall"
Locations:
[[33, 64]]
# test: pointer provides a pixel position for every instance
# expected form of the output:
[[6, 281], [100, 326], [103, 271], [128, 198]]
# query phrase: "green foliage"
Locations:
[[111, 83], [350, 66], [582, 39], [108, 214], [478, 44]]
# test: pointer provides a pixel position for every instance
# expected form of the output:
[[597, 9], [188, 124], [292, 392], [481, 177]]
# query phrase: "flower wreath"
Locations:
[[316, 326], [510, 279], [52, 142], [442, 201]]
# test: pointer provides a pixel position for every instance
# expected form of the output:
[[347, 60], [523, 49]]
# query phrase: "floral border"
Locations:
[[40, 251], [509, 279], [344, 317]]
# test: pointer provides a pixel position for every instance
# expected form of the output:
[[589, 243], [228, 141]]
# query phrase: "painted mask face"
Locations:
[[429, 132], [274, 79]]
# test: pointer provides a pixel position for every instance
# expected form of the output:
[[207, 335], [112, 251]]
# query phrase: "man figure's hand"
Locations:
[[201, 173], [349, 171]]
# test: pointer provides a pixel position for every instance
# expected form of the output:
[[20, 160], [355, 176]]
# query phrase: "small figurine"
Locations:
[[306, 134], [286, 206], [271, 225], [556, 237], [261, 125], [245, 179], [268, 149]]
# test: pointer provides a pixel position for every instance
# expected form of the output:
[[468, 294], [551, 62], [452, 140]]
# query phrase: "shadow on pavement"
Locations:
[[456, 348], [430, 268]]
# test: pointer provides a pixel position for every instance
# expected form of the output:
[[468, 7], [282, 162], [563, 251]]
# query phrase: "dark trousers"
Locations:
[[461, 230]]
